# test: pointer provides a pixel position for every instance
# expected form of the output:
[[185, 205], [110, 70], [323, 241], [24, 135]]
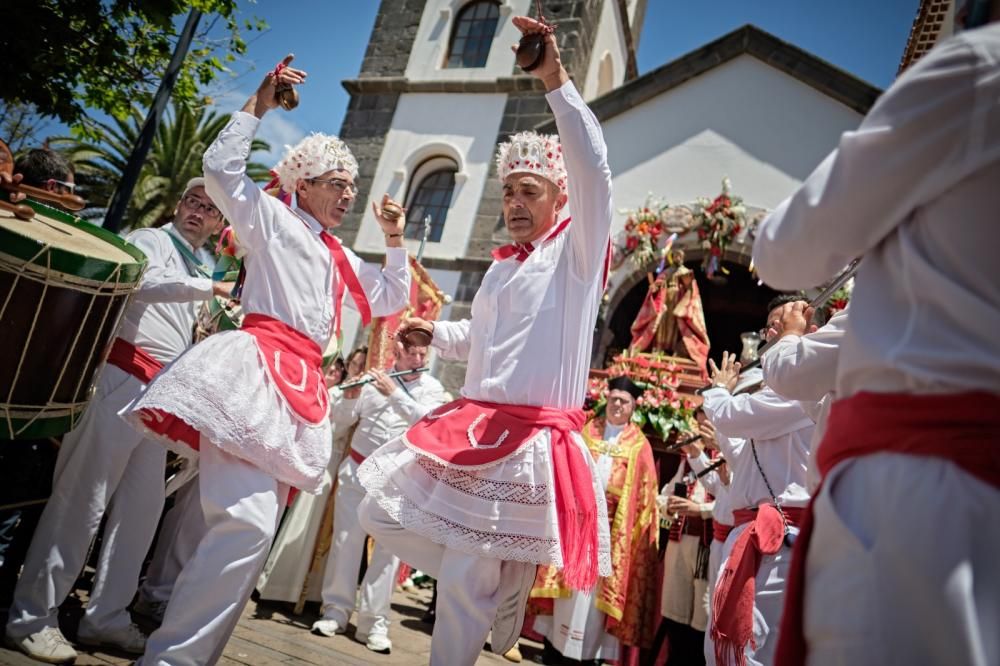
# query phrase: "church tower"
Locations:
[[438, 89]]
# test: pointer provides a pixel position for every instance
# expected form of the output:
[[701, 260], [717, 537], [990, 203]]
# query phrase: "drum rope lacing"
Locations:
[[52, 408]]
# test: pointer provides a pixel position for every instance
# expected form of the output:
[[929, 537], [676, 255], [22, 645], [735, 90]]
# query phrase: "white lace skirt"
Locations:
[[506, 510], [221, 388]]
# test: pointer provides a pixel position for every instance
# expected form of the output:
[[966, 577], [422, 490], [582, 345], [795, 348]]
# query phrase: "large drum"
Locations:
[[64, 285]]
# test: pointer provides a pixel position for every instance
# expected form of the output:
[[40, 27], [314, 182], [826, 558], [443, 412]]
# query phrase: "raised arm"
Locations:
[[387, 288], [762, 415], [158, 285], [586, 158], [804, 367], [928, 131]]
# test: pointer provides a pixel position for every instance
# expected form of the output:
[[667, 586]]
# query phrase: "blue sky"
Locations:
[[329, 37]]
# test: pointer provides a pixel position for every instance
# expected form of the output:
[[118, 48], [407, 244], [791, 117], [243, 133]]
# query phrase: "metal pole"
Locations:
[[423, 239], [130, 176]]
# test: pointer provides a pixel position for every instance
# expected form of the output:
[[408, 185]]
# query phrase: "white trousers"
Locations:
[[904, 565], [182, 530], [714, 564], [241, 505], [768, 603], [102, 461], [468, 587], [340, 579]]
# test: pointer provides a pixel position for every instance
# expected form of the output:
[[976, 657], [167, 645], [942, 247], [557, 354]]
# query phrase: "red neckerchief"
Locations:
[[348, 278], [522, 251]]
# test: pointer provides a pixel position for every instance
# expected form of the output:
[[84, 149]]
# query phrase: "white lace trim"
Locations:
[[531, 441], [221, 388]]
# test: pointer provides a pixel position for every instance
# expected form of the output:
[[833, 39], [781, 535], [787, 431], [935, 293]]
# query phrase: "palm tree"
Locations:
[[173, 159]]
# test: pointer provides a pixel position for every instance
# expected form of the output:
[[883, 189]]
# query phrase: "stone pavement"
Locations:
[[270, 634]]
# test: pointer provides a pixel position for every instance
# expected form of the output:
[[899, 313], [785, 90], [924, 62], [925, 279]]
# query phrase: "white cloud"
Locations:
[[277, 128]]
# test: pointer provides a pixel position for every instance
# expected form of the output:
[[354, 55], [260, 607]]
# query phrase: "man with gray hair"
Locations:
[[105, 465]]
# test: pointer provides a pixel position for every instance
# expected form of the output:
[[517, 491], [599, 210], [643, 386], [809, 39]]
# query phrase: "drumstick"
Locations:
[[67, 201], [391, 375], [21, 211]]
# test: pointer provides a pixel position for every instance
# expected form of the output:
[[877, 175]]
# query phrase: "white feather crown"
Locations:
[[313, 156], [531, 152]]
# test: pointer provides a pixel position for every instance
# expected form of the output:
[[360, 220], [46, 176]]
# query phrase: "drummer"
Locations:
[[104, 464], [46, 169]]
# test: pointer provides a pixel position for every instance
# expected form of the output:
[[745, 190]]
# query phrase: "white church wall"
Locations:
[[462, 127], [762, 128], [430, 47], [609, 42]]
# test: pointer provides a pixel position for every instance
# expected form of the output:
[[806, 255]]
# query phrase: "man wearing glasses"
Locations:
[[106, 466], [46, 169]]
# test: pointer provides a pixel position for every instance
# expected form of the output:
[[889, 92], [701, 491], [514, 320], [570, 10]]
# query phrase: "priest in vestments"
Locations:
[[671, 318], [622, 609]]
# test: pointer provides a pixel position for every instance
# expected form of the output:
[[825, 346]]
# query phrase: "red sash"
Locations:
[[720, 531], [348, 279], [732, 607], [294, 363], [961, 428], [470, 433], [355, 456], [134, 360]]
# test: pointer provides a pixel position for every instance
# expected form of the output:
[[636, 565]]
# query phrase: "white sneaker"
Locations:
[[378, 642], [516, 580], [326, 627], [48, 645], [154, 610], [131, 639]]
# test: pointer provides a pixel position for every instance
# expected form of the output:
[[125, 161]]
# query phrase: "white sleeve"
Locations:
[[387, 288], [929, 130], [761, 415], [253, 214], [345, 411], [412, 409], [589, 180], [160, 284], [452, 339], [711, 480], [805, 367]]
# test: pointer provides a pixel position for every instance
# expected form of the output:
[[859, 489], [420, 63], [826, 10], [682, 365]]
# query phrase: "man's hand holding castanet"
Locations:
[[392, 218], [550, 69], [266, 98], [726, 376]]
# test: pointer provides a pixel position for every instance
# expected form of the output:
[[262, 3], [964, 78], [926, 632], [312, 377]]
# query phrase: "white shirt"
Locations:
[[915, 191], [382, 418], [160, 319], [528, 341], [722, 510], [781, 431], [293, 280]]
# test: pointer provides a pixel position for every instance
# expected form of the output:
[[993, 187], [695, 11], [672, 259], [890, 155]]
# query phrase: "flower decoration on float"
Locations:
[[719, 221], [839, 299], [661, 409], [644, 231]]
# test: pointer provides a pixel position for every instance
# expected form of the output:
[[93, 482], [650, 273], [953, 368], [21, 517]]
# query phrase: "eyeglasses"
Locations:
[[339, 185], [67, 188], [197, 204]]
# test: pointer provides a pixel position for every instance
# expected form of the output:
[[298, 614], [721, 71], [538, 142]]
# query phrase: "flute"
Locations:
[[676, 446], [392, 375]]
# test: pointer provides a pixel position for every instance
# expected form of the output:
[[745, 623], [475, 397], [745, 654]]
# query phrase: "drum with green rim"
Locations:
[[64, 285]]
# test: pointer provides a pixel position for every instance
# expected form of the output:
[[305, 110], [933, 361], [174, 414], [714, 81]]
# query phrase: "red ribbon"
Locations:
[[134, 360], [349, 279]]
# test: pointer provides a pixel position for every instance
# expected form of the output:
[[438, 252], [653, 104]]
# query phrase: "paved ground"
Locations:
[[271, 634]]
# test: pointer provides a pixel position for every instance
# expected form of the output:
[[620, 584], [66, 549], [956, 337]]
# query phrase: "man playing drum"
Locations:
[[481, 491], [251, 404], [104, 462]]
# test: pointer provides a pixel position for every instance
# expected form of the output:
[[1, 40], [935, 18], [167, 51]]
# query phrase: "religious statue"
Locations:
[[671, 318]]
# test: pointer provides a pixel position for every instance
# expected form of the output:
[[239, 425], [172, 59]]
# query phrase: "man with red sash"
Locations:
[[484, 489], [902, 563], [382, 410], [621, 610], [252, 404], [104, 462], [768, 494]]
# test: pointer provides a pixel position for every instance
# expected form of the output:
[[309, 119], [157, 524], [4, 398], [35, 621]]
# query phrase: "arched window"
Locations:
[[430, 196], [472, 36]]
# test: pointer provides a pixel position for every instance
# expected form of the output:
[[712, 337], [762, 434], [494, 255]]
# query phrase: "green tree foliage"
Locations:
[[174, 158], [65, 57]]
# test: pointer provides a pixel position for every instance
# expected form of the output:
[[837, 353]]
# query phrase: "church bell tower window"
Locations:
[[475, 27], [435, 183]]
